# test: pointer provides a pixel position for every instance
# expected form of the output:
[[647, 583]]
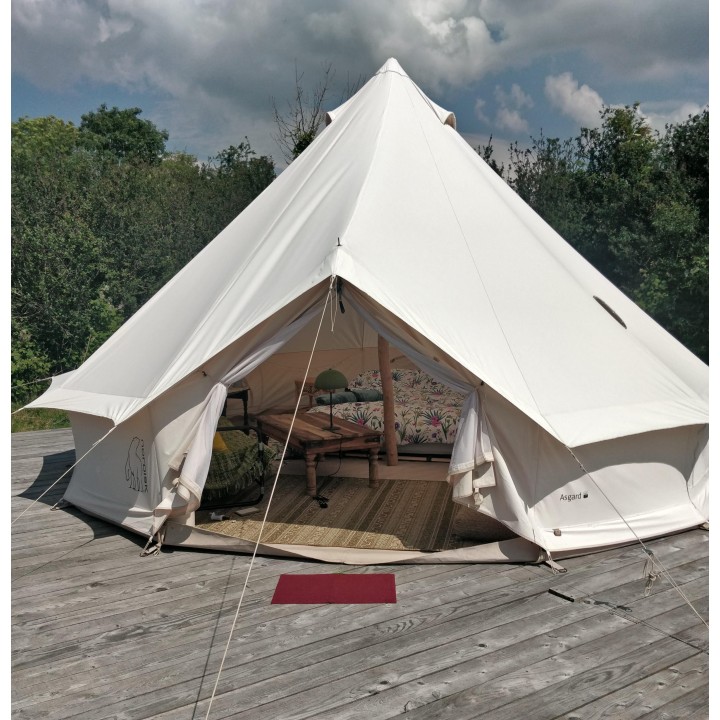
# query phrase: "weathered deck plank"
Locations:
[[99, 632], [653, 692]]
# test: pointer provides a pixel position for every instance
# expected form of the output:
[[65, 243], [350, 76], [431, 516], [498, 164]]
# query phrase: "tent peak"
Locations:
[[391, 65]]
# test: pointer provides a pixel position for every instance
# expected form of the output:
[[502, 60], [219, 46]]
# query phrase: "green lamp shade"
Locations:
[[331, 380]]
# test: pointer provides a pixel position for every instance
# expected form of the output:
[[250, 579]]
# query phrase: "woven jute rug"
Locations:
[[398, 515]]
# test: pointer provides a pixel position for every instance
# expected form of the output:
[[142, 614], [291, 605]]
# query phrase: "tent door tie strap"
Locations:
[[555, 567], [649, 571], [150, 549], [546, 559]]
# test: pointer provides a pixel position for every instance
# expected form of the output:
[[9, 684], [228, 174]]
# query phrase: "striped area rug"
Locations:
[[398, 515]]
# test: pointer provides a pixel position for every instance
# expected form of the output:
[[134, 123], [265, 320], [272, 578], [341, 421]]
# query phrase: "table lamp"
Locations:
[[331, 380]]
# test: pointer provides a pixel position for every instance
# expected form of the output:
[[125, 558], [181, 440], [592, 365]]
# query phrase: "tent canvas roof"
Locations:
[[391, 199]]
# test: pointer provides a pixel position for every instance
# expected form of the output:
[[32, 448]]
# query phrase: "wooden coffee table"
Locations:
[[311, 436]]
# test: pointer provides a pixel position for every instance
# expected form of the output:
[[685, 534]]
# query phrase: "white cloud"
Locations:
[[579, 102], [446, 42], [508, 115], [480, 112], [509, 119], [516, 98], [671, 112], [216, 64]]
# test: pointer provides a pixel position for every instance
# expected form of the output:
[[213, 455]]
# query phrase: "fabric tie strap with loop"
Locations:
[[649, 571]]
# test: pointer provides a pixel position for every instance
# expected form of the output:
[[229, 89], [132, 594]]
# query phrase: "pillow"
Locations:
[[368, 378], [337, 398], [371, 378], [367, 394]]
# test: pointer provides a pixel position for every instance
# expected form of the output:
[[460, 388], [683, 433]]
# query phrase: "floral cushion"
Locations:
[[409, 379]]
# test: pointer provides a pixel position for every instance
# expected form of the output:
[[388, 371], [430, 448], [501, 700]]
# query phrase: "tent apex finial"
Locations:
[[392, 65]]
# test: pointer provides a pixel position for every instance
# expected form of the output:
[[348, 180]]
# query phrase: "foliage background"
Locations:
[[102, 216], [635, 204]]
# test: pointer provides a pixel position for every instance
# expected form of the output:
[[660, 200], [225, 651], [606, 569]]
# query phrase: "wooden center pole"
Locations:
[[391, 453]]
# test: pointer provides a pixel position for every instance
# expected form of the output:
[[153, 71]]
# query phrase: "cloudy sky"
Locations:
[[207, 70]]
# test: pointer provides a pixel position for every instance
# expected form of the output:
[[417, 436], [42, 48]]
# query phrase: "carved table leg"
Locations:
[[311, 474]]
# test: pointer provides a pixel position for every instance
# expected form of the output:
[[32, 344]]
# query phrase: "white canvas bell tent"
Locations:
[[585, 423]]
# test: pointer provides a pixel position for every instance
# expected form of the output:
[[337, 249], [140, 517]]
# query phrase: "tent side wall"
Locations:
[[118, 479], [128, 476], [597, 495]]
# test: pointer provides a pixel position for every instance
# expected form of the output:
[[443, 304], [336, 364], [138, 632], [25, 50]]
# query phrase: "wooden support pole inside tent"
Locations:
[[391, 453]]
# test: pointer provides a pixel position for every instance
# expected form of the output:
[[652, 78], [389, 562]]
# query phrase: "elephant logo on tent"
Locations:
[[135, 469]]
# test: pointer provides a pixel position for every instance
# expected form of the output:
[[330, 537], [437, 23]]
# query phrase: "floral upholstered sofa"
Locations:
[[426, 411]]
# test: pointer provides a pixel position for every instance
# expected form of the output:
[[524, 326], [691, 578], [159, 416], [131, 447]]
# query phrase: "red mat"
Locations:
[[329, 588]]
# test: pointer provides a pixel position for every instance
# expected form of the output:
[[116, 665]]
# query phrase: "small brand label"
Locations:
[[576, 496]]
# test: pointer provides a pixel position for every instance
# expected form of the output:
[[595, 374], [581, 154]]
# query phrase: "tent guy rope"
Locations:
[[652, 559], [328, 301], [74, 465], [31, 382]]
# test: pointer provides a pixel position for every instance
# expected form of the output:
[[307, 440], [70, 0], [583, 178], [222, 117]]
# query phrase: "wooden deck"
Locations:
[[99, 632]]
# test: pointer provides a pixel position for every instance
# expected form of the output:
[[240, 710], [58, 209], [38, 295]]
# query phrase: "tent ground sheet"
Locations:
[[398, 515]]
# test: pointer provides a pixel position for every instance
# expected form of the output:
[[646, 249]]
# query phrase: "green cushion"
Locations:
[[337, 398], [243, 464], [367, 394]]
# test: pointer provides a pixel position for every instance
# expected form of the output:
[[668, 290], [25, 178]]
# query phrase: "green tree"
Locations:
[[123, 135], [686, 148], [675, 284], [635, 205], [102, 216], [550, 177], [302, 121], [236, 177], [299, 125], [487, 152], [57, 302]]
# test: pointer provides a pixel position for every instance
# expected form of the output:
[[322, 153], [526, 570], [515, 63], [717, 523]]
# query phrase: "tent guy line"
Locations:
[[328, 300], [26, 384], [72, 467], [652, 558]]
